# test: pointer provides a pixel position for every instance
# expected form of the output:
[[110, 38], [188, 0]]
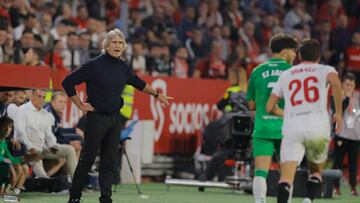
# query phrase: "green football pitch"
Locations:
[[158, 193]]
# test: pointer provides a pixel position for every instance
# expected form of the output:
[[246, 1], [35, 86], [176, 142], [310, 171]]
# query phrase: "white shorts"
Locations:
[[314, 146]]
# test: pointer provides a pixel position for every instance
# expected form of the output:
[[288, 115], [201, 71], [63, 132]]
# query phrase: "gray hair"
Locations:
[[111, 35]]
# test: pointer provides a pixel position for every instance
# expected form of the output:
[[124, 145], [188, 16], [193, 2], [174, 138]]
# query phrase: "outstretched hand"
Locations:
[[164, 99]]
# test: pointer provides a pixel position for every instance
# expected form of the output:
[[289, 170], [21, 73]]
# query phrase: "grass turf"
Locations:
[[158, 193]]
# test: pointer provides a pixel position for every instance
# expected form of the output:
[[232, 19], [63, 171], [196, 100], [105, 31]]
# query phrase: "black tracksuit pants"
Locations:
[[102, 132], [351, 147]]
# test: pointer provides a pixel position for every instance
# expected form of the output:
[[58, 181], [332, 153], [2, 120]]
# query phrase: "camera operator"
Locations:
[[218, 136]]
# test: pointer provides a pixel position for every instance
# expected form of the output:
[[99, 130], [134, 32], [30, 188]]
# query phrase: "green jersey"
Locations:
[[4, 153], [262, 80]]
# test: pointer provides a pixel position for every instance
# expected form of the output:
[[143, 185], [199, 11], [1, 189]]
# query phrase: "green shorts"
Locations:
[[265, 147]]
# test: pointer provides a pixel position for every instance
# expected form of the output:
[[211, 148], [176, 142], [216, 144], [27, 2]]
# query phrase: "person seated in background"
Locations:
[[212, 66], [54, 58], [7, 161], [71, 55], [33, 129], [34, 57], [180, 64], [158, 62], [16, 148], [56, 108], [22, 46], [12, 107], [138, 59]]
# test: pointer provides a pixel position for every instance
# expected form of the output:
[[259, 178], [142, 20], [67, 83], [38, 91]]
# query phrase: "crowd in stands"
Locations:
[[177, 38]]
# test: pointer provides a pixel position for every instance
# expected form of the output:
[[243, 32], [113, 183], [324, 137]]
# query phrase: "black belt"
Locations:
[[108, 113]]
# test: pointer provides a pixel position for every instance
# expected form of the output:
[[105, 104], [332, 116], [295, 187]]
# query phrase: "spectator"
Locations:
[[26, 42], [45, 27], [203, 13], [66, 14], [180, 63], [112, 12], [216, 35], [19, 171], [169, 40], [195, 45], [297, 17], [214, 17], [71, 55], [265, 6], [330, 11], [54, 58], [213, 66], [3, 37], [34, 57], [95, 8], [347, 141], [324, 39], [82, 17], [56, 108], [4, 23], [60, 31], [4, 8], [263, 31], [155, 24], [30, 23], [12, 109], [92, 29], [136, 30], [34, 130], [247, 39], [138, 60], [17, 12], [7, 160], [187, 24], [158, 61], [84, 47], [3, 98], [340, 39], [38, 42], [233, 16], [353, 57]]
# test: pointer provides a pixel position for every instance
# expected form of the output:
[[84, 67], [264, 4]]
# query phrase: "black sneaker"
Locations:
[[74, 201]]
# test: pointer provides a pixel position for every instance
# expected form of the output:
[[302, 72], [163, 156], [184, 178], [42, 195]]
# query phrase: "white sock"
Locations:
[[259, 189], [291, 193]]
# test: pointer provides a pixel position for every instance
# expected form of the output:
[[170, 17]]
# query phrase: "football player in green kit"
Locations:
[[267, 130]]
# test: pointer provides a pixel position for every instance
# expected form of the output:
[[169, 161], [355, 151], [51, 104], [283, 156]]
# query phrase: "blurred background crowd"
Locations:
[[177, 38]]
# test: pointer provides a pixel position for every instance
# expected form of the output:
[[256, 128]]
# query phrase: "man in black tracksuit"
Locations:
[[105, 77]]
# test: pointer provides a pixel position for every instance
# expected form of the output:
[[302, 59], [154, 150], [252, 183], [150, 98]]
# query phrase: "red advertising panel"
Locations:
[[178, 125], [14, 75]]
